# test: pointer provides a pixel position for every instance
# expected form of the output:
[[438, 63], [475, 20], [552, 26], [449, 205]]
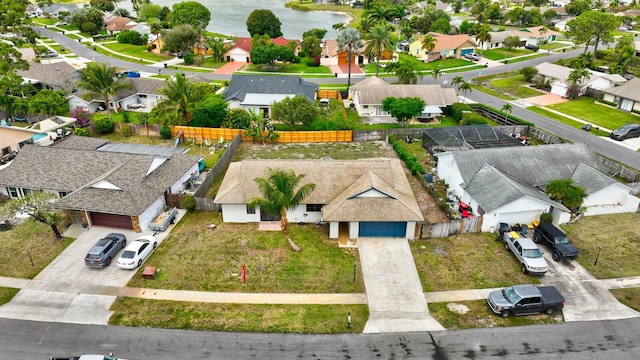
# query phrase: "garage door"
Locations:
[[466, 51], [384, 229], [559, 89], [111, 220], [521, 217]]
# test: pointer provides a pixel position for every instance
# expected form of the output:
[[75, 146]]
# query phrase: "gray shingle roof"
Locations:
[[50, 74], [591, 179], [629, 90], [241, 85], [80, 142], [337, 182], [71, 170], [140, 86], [431, 94]]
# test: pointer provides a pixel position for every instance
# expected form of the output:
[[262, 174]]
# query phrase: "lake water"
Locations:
[[230, 17]]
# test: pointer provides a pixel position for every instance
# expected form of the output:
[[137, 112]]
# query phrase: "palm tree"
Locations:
[[506, 108], [338, 27], [456, 81], [578, 76], [436, 73], [155, 28], [378, 41], [465, 87], [279, 195], [218, 48], [404, 72], [349, 40], [379, 13], [181, 95], [101, 80], [483, 35], [428, 43]]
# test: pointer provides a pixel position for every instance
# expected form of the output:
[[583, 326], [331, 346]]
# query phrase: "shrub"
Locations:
[[458, 110], [296, 60], [311, 62], [198, 60], [165, 132], [81, 131], [472, 119], [104, 125], [131, 37], [189, 203], [126, 117], [188, 58], [125, 130], [89, 27], [303, 53], [546, 218], [82, 116]]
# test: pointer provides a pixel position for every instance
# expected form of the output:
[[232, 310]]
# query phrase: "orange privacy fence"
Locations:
[[201, 134]]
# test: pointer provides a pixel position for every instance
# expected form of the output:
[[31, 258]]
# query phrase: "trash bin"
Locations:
[[335, 74], [506, 61], [165, 65]]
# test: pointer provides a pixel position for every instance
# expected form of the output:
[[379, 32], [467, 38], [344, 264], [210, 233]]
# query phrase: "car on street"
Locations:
[[101, 254], [626, 132], [131, 74], [525, 300], [49, 54], [137, 252]]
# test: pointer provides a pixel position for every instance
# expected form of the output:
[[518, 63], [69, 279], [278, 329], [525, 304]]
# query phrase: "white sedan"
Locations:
[[136, 252]]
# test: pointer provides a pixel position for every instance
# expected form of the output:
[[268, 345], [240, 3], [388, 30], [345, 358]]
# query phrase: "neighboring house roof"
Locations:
[[100, 181], [629, 90], [242, 85], [535, 32], [532, 32], [432, 94], [245, 44], [140, 86], [562, 73], [80, 142], [119, 23], [386, 193], [28, 54], [482, 189], [52, 123], [533, 165], [370, 81], [591, 179], [56, 8], [49, 74], [447, 42]]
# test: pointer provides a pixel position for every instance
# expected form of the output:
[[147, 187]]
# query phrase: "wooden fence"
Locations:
[[139, 129], [453, 227]]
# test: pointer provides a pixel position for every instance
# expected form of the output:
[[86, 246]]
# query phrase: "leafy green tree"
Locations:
[[210, 111], [483, 35], [404, 71], [378, 41], [294, 111], [592, 26], [318, 33], [403, 109], [378, 13], [10, 61], [566, 192], [494, 13], [137, 4], [259, 129], [236, 118], [281, 191], [181, 96], [263, 22], [271, 53], [90, 14], [464, 27], [40, 206], [349, 40], [148, 11], [190, 13], [155, 27], [511, 42], [428, 43], [625, 53], [528, 73], [180, 38], [549, 15], [217, 47], [311, 45], [48, 102], [577, 7], [441, 26], [100, 80]]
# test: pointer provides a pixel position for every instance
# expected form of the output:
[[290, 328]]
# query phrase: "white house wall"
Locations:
[[151, 213], [237, 213], [176, 187], [523, 211], [75, 102], [300, 214], [354, 230], [334, 229], [613, 199], [448, 171]]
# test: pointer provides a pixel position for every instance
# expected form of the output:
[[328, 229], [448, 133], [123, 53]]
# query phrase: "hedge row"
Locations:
[[409, 160]]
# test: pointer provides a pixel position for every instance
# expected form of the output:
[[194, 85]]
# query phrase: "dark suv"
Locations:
[[105, 250], [556, 240]]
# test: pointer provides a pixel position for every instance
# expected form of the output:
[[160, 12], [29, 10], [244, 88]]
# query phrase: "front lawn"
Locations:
[[515, 86], [138, 51], [420, 66], [587, 109], [466, 261], [289, 68], [629, 297], [554, 45], [565, 120], [504, 53], [6, 294]]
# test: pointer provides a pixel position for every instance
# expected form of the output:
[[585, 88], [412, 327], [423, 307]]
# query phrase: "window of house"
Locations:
[[365, 106], [6, 151], [63, 193], [251, 210], [13, 192], [314, 207], [26, 192]]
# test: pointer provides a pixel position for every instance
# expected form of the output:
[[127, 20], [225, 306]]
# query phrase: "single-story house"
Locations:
[[531, 36], [34, 10], [627, 95], [58, 10], [506, 184], [558, 77], [107, 188], [43, 133], [367, 96], [257, 93], [241, 50], [331, 55], [447, 46], [115, 24], [52, 76], [366, 197], [144, 95]]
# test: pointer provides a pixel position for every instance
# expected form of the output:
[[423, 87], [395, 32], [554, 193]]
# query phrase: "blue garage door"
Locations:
[[466, 51], [384, 229]]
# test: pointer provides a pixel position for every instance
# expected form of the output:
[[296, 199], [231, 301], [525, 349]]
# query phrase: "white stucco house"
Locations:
[[558, 77], [257, 93], [626, 96], [366, 197], [107, 184], [144, 95], [506, 184]]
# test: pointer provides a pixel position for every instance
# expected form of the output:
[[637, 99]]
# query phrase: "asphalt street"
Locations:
[[580, 340]]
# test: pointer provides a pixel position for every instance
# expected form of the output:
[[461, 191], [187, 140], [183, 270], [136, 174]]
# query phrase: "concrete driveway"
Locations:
[[586, 298], [394, 293], [65, 290]]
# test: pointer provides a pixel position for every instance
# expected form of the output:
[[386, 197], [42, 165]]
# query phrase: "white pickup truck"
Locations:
[[527, 253]]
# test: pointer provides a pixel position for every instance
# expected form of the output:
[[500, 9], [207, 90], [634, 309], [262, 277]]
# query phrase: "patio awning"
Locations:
[[431, 109]]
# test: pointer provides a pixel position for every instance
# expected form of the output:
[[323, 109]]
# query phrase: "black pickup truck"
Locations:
[[87, 357], [556, 240], [525, 300]]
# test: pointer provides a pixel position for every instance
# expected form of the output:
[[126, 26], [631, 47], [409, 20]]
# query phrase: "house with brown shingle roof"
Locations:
[[366, 197], [115, 24], [241, 50], [331, 54], [144, 95], [447, 46], [367, 96], [531, 36], [107, 187], [627, 95]]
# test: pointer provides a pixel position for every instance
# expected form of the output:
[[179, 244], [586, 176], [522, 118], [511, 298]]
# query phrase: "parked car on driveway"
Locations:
[[137, 252], [101, 254], [49, 54], [525, 300], [131, 74], [556, 240], [527, 253], [626, 132]]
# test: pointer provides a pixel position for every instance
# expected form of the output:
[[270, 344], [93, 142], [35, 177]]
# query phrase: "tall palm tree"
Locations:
[[483, 35], [101, 80], [457, 81], [349, 39], [465, 87], [436, 73], [155, 28], [428, 43], [218, 48], [279, 195], [506, 108], [181, 95], [405, 73], [378, 41], [379, 13], [578, 76]]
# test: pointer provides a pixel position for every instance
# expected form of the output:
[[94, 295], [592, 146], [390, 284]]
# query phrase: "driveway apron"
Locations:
[[394, 293], [586, 297]]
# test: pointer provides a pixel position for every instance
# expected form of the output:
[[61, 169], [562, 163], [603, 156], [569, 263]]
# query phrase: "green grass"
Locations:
[[44, 21], [29, 237], [60, 49], [116, 56], [480, 316], [492, 92], [468, 261], [302, 319], [190, 69], [6, 294], [587, 109], [67, 27], [210, 63], [514, 86], [553, 46], [73, 36], [629, 297], [138, 51], [503, 53], [287, 68], [620, 244], [565, 120], [418, 65]]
